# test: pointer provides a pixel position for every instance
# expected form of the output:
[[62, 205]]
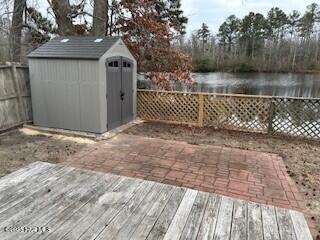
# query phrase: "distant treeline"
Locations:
[[276, 42]]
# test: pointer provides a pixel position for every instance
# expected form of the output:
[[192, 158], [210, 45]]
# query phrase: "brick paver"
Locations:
[[248, 175], [255, 176]]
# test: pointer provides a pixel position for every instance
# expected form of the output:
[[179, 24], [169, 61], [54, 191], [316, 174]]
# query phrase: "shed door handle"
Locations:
[[121, 95]]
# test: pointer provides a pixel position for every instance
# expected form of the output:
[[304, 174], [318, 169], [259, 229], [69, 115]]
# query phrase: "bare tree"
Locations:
[[62, 12], [100, 18], [16, 28]]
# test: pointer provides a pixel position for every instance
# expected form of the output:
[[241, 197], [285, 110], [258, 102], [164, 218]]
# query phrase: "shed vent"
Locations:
[[98, 40], [65, 40]]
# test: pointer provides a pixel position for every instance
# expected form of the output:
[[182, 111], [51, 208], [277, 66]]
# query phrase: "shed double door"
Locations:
[[119, 91]]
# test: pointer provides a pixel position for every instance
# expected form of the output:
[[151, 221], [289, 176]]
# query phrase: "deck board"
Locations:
[[83, 204]]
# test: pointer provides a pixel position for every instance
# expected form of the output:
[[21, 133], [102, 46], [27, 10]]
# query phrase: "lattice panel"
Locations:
[[237, 112], [168, 106], [297, 117]]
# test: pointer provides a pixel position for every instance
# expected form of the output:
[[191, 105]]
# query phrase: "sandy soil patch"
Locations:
[[20, 147]]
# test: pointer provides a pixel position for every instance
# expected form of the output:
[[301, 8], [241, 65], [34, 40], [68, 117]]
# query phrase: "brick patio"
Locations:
[[255, 176]]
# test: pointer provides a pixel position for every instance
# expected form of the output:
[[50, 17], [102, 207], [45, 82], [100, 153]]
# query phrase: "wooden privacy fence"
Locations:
[[274, 115], [15, 97]]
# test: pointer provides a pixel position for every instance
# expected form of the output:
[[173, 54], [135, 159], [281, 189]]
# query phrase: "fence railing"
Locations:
[[274, 115], [15, 96]]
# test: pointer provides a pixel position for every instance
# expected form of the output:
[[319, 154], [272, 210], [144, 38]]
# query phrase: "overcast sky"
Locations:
[[214, 12]]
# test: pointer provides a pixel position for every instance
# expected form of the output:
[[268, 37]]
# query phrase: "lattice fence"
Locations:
[[289, 116], [296, 117], [237, 112], [168, 106]]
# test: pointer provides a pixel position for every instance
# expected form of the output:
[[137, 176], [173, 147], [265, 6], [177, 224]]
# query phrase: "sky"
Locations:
[[214, 12]]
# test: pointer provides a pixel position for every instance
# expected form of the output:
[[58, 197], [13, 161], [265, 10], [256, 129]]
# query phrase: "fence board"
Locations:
[[15, 96], [297, 117]]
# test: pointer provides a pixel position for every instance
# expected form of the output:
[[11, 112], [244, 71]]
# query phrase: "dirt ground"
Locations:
[[302, 158], [20, 147]]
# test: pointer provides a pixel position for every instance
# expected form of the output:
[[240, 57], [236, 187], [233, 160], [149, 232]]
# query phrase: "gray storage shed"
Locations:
[[83, 83]]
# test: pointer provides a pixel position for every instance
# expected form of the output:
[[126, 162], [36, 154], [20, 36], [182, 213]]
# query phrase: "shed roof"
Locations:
[[75, 47]]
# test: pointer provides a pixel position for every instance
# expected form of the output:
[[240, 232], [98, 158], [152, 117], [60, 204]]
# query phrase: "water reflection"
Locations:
[[273, 84]]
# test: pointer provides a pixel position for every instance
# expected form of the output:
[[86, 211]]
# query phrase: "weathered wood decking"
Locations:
[[71, 203]]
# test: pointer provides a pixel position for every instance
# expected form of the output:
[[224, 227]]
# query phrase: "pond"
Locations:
[[272, 84]]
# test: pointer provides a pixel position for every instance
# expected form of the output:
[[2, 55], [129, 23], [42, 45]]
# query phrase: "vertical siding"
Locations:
[[38, 99], [89, 96], [64, 94]]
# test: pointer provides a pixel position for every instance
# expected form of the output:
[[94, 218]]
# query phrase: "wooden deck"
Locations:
[[69, 203]]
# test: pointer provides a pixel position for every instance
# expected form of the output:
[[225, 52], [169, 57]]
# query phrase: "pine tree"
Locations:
[[170, 12], [228, 31], [309, 20], [40, 27], [203, 33]]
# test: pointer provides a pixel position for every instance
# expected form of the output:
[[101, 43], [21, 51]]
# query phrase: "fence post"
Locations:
[[271, 115], [201, 110], [16, 85]]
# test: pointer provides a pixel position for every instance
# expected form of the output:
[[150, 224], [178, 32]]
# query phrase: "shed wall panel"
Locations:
[[89, 96], [65, 94], [39, 109]]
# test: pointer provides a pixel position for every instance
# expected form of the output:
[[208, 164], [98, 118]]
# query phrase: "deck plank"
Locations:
[[39, 190], [300, 226], [178, 222], [70, 222], [223, 227], [192, 226], [23, 174], [255, 231], [209, 220], [68, 203], [84, 205], [27, 212], [29, 217], [139, 213], [239, 220], [112, 229], [269, 222], [111, 205], [90, 189], [285, 224], [161, 226], [144, 228], [102, 205], [26, 182]]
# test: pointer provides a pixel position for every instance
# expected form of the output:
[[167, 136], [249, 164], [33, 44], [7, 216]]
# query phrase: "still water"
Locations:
[[272, 84]]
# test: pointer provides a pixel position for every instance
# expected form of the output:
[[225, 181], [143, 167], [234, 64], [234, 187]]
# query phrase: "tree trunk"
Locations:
[[16, 29], [62, 10], [229, 44], [112, 13], [293, 69], [100, 18]]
